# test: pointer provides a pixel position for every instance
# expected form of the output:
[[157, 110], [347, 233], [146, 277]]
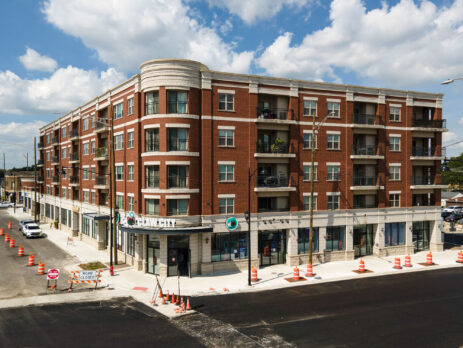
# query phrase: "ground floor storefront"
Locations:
[[204, 245]]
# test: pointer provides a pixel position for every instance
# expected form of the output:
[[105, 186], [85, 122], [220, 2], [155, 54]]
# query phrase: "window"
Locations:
[[394, 143], [93, 173], [93, 147], [85, 150], [226, 172], [176, 102], [64, 193], [307, 203], [226, 205], [119, 202], [226, 102], [130, 140], [131, 200], [152, 206], [177, 139], [335, 236], [131, 244], [151, 103], [152, 140], [228, 246], [86, 196], [119, 173], [130, 106], [308, 172], [85, 124], [63, 152], [226, 137], [48, 138], [151, 176], [310, 108], [48, 173], [93, 197], [333, 109], [333, 202], [85, 173], [118, 141], [117, 110], [130, 172], [394, 199], [177, 176], [333, 142], [394, 234], [86, 224], [63, 173], [333, 173], [303, 235], [394, 114], [48, 156], [48, 190], [394, 173], [308, 140], [63, 132], [177, 206]]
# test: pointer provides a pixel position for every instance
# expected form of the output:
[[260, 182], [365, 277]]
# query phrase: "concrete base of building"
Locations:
[[339, 255], [393, 250], [436, 246], [296, 260], [75, 233], [101, 245]]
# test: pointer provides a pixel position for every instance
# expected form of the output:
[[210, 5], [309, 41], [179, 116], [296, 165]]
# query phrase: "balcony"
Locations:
[[74, 157], [278, 148], [429, 123], [39, 146], [40, 163], [367, 152], [40, 180], [272, 183], [152, 182], [177, 181], [55, 180], [426, 182], [74, 134], [55, 141], [74, 181], [425, 153], [368, 121], [101, 125], [366, 183], [101, 154], [55, 161], [273, 114], [176, 145], [102, 182]]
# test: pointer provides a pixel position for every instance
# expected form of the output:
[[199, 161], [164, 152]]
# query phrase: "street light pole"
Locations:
[[248, 218], [35, 180], [113, 182]]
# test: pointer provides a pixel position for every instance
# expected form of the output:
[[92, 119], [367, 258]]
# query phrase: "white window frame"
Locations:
[[394, 114], [224, 169], [226, 102], [119, 172], [333, 172], [394, 172], [226, 136], [85, 148], [334, 109], [130, 139], [309, 109], [130, 172], [394, 200], [118, 142], [309, 172], [333, 142], [392, 147], [118, 111], [130, 106], [309, 147], [225, 203], [85, 124]]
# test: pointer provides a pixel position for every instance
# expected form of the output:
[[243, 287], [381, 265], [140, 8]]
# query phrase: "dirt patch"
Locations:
[[92, 266]]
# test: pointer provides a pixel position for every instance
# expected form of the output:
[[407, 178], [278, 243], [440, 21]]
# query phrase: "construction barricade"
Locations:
[[84, 277]]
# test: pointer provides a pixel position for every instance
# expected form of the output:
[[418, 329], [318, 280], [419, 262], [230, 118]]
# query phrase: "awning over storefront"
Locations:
[[96, 216], [166, 231]]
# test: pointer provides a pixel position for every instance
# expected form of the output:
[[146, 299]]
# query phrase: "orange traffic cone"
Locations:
[[188, 307], [163, 300], [167, 297], [177, 301], [10, 225], [160, 294], [182, 304]]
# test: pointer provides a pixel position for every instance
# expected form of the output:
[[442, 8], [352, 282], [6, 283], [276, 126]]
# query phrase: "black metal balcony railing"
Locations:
[[270, 209], [75, 156], [423, 180], [177, 145], [273, 113], [364, 181], [276, 147], [368, 119], [40, 178], [54, 140], [39, 145], [101, 152], [55, 159], [152, 182], [366, 150], [272, 181], [101, 124], [101, 181], [55, 179], [74, 133], [177, 181], [429, 123], [365, 205], [74, 179], [424, 151], [39, 162]]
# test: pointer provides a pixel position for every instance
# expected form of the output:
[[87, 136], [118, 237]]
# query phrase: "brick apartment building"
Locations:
[[185, 138]]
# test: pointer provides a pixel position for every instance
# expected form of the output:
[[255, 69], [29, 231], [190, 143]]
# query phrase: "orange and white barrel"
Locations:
[[309, 270], [362, 266], [253, 274], [460, 257], [2, 231], [21, 251], [296, 273], [397, 263], [31, 261], [429, 258], [41, 268], [7, 238], [10, 225], [408, 261], [11, 243]]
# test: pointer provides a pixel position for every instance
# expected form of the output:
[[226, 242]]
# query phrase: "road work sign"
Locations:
[[53, 274], [87, 275]]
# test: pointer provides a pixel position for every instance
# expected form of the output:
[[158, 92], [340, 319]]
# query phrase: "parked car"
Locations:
[[23, 223], [454, 217], [452, 208], [32, 230], [6, 205]]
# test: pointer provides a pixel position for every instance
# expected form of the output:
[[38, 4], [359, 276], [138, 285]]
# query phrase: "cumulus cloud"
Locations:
[[125, 33], [32, 60], [64, 90], [252, 11], [406, 44]]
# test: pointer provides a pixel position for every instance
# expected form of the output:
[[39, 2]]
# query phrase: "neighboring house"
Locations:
[[451, 198]]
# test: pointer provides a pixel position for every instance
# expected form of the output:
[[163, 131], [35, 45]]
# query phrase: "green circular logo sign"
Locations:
[[231, 223]]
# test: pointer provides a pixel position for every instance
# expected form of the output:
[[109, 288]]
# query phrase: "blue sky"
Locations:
[[57, 54]]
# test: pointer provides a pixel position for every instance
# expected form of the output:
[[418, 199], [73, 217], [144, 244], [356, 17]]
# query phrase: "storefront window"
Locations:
[[394, 234], [154, 254], [64, 216], [86, 226], [335, 237], [229, 246], [303, 240], [131, 244]]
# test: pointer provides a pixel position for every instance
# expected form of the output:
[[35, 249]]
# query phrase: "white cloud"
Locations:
[[64, 90], [405, 44], [448, 137], [126, 33], [32, 60], [252, 11]]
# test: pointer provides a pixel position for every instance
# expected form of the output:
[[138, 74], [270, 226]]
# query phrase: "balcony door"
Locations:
[[363, 240]]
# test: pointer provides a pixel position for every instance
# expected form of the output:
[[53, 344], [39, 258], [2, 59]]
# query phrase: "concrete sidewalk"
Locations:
[[141, 285]]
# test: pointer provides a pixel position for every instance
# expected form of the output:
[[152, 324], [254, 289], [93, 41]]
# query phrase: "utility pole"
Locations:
[[312, 172], [113, 181], [4, 178], [35, 180]]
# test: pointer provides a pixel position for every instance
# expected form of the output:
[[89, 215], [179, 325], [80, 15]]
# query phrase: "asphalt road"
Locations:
[[16, 279], [421, 309]]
